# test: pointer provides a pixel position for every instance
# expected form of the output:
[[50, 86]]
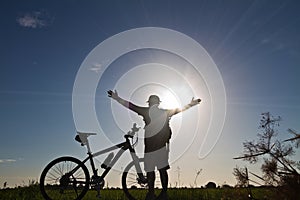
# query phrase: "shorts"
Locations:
[[158, 159]]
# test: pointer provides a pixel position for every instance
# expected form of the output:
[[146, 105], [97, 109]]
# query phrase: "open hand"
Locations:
[[113, 94]]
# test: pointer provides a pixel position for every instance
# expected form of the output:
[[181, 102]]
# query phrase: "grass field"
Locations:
[[33, 193]]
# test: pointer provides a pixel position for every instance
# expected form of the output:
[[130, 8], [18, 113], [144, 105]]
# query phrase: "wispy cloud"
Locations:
[[275, 45], [7, 160], [37, 19], [265, 41], [96, 67]]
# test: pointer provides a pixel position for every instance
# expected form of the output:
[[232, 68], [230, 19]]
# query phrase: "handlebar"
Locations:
[[133, 131]]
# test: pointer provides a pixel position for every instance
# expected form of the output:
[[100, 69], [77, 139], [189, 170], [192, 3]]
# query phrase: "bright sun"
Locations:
[[169, 100]]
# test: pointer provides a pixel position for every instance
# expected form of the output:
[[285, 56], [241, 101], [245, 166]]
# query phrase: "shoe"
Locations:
[[163, 196], [150, 196]]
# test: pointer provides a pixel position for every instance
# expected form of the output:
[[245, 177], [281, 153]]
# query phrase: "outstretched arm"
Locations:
[[191, 104], [114, 95]]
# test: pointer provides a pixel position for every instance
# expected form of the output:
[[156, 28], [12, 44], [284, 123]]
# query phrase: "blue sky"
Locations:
[[255, 44]]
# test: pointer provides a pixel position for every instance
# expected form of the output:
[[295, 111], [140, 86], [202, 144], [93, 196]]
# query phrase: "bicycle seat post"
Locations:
[[84, 140], [88, 146]]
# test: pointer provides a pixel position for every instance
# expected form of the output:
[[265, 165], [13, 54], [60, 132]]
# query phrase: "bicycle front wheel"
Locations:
[[64, 178], [135, 185]]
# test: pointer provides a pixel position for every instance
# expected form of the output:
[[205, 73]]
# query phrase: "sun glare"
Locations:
[[169, 100]]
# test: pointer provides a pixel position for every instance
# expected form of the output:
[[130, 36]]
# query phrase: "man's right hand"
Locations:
[[113, 94]]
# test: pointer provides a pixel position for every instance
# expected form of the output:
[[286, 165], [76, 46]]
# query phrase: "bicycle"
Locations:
[[68, 177]]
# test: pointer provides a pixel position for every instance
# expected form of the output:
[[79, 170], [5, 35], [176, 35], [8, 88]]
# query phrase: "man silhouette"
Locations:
[[157, 137]]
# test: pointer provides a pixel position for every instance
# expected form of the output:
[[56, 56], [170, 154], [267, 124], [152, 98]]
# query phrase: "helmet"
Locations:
[[153, 99]]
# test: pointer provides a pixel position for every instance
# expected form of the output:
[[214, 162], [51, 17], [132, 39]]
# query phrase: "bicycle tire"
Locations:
[[134, 188], [56, 183]]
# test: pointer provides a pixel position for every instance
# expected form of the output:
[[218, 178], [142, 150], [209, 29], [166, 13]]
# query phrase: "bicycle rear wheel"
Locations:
[[64, 178], [135, 186]]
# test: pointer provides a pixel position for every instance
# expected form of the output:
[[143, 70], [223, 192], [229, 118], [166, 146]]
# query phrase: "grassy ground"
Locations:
[[33, 193]]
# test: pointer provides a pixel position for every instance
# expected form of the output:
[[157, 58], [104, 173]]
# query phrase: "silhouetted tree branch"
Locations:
[[278, 168]]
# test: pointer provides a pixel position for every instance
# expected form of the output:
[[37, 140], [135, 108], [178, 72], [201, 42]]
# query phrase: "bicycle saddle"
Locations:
[[82, 137]]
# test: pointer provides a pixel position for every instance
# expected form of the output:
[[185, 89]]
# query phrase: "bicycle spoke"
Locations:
[[52, 176], [58, 171], [57, 182]]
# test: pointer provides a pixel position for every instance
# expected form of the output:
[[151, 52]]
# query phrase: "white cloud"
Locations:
[[7, 160], [265, 41], [34, 20], [96, 67]]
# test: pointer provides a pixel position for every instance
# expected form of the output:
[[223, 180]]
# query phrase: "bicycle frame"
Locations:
[[70, 177], [122, 146]]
